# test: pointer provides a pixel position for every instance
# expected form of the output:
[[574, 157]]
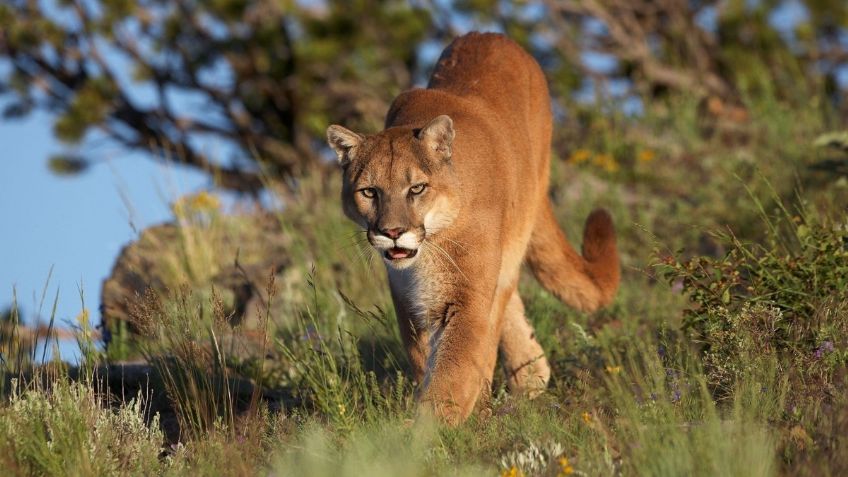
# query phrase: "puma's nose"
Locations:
[[393, 233]]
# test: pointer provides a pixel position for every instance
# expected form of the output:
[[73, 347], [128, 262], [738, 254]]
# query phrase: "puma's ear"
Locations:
[[343, 141], [438, 135]]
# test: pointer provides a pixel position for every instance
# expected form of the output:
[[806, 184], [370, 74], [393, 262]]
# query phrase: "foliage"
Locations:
[[69, 429], [387, 449], [265, 78], [785, 299], [328, 371], [188, 351], [268, 75], [629, 397]]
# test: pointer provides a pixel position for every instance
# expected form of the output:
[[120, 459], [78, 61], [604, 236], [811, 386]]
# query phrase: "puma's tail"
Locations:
[[585, 282]]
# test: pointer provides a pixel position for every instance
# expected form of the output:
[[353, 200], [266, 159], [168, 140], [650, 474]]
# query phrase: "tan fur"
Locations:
[[476, 144]]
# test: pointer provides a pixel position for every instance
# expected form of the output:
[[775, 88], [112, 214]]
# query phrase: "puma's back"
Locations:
[[489, 79], [496, 70]]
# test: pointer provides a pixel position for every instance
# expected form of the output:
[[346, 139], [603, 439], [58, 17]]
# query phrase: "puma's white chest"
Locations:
[[418, 291]]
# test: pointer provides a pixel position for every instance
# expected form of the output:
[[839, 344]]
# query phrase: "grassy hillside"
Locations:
[[725, 352]]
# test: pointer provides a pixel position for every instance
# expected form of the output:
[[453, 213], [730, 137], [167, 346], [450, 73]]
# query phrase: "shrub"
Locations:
[[330, 374], [786, 300], [70, 430], [188, 353]]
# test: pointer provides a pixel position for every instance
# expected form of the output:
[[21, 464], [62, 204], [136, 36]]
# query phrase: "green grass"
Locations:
[[725, 352]]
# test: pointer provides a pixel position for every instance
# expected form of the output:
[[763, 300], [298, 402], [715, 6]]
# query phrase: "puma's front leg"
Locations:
[[463, 352], [416, 342], [415, 338]]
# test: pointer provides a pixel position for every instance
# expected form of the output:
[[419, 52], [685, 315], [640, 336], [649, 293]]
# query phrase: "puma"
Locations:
[[454, 195]]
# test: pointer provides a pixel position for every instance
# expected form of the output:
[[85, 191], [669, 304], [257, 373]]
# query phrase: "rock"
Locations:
[[235, 255]]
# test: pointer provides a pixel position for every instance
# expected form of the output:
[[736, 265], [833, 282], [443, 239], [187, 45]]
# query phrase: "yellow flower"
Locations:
[[587, 418], [203, 201], [580, 155], [606, 162], [84, 324], [565, 467], [342, 409], [82, 319], [646, 155], [512, 472], [613, 369]]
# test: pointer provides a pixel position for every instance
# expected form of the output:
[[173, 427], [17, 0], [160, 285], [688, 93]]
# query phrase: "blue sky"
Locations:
[[76, 225]]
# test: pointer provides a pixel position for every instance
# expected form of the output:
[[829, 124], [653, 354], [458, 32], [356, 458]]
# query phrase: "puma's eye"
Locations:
[[369, 192], [417, 189]]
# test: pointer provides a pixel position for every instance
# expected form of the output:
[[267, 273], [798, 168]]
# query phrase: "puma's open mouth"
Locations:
[[398, 253]]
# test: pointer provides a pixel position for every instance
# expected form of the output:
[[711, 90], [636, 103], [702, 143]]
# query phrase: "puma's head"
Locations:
[[398, 185]]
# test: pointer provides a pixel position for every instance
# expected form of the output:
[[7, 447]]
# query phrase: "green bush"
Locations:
[[785, 300], [70, 430]]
